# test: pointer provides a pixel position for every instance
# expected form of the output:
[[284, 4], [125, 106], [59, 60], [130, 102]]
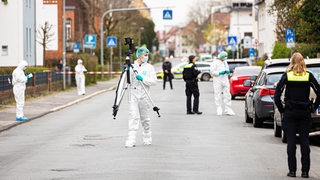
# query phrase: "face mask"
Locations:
[[144, 59], [24, 68], [225, 58]]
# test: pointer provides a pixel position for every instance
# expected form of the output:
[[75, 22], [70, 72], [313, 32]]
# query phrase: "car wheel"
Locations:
[[205, 77], [247, 118], [277, 129], [283, 137], [257, 122]]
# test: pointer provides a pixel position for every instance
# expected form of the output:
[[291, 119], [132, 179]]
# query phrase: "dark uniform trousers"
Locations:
[[192, 89], [297, 121]]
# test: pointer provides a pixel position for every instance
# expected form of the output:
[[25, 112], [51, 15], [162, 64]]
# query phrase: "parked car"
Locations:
[[313, 65], [275, 63], [233, 63], [240, 74], [205, 57], [203, 67], [259, 98]]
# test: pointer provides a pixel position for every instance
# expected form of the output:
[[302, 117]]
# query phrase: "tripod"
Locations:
[[124, 81]]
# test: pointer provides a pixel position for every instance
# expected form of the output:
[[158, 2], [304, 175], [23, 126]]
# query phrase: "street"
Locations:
[[84, 142]]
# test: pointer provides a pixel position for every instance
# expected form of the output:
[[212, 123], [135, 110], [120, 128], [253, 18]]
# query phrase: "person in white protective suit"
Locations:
[[80, 78], [19, 80], [139, 103], [221, 86]]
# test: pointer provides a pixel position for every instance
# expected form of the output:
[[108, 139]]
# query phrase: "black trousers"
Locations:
[[165, 78], [297, 121], [192, 89]]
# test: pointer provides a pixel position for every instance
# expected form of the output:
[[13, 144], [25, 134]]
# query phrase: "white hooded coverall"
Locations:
[[139, 104], [221, 87], [19, 81], [80, 78]]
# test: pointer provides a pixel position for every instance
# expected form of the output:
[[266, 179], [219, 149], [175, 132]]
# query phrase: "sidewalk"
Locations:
[[40, 106]]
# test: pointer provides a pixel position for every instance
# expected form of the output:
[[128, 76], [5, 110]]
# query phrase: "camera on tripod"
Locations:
[[129, 41]]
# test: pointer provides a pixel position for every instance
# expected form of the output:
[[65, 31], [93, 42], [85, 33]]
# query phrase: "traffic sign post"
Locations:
[[111, 43], [232, 41], [290, 39], [167, 14], [90, 41]]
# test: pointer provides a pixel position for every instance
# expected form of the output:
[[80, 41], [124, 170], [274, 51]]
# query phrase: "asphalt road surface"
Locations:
[[84, 142]]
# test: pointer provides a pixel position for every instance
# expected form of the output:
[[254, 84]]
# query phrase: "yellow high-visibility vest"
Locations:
[[292, 77]]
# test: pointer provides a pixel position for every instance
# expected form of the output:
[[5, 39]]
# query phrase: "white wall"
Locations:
[[240, 22], [11, 33], [47, 13], [266, 29]]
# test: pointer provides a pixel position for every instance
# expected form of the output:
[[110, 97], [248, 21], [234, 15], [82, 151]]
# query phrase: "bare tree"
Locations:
[[44, 36]]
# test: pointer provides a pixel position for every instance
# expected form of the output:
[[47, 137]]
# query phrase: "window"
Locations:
[[68, 29], [4, 51]]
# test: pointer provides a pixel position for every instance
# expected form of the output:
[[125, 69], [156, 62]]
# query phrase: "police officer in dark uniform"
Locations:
[[297, 111], [190, 74]]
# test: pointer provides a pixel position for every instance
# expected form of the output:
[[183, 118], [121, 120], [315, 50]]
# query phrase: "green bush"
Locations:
[[89, 61], [280, 50]]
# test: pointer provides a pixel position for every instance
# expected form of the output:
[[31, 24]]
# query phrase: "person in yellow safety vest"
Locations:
[[190, 74], [297, 111]]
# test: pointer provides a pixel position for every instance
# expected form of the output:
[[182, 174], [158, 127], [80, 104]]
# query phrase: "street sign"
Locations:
[[232, 40], [90, 41], [76, 47], [251, 52], [111, 41], [290, 39], [247, 42], [167, 14]]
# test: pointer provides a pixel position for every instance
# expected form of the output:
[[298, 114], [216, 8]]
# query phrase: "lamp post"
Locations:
[[140, 29], [64, 44]]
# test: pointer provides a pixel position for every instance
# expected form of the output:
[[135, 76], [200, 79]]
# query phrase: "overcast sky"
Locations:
[[180, 9]]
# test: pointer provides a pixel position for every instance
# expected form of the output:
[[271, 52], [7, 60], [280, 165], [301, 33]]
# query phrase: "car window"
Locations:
[[249, 71], [273, 78], [202, 65], [276, 65], [233, 65], [315, 71]]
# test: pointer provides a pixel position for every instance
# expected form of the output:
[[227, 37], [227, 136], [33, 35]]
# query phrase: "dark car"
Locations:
[[259, 98], [313, 65], [240, 74]]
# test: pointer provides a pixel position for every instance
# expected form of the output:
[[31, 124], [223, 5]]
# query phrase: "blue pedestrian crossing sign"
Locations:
[[232, 40], [290, 39], [167, 14], [111, 41], [251, 52], [90, 40]]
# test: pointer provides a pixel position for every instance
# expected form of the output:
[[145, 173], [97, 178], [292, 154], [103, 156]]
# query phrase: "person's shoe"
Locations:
[[147, 143], [190, 112], [21, 118], [291, 174], [197, 112], [129, 144], [305, 174]]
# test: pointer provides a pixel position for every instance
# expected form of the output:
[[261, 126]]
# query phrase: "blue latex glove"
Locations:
[[222, 72], [227, 72], [139, 77], [29, 76]]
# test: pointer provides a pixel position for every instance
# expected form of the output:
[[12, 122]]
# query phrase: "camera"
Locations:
[[129, 41]]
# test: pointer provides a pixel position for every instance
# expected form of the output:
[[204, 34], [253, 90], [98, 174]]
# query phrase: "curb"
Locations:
[[16, 123]]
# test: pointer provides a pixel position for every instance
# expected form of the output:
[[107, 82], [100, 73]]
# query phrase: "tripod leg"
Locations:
[[121, 88]]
